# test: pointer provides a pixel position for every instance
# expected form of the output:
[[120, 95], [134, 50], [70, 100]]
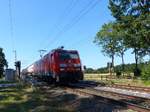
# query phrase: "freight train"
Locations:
[[59, 65]]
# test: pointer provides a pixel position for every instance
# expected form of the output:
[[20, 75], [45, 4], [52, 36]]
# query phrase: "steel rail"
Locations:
[[137, 88], [105, 99], [120, 94], [91, 88]]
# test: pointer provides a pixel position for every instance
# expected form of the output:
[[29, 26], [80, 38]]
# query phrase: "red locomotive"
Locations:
[[59, 65]]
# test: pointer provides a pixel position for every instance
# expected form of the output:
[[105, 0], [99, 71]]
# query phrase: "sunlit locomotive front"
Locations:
[[59, 65]]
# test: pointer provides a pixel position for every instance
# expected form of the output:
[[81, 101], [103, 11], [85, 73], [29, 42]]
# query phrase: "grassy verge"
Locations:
[[25, 99], [6, 82], [146, 83], [47, 99], [3, 81], [134, 82]]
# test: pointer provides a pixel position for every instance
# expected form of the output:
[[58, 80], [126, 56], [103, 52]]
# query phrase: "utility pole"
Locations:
[[41, 51], [15, 53], [17, 64], [18, 68]]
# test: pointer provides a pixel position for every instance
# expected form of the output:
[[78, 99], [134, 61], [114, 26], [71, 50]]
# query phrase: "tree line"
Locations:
[[128, 68], [130, 30]]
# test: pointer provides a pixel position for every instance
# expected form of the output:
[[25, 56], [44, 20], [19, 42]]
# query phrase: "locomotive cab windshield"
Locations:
[[65, 56]]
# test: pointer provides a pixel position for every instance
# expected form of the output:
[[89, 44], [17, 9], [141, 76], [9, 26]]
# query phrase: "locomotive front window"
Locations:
[[64, 56], [74, 56]]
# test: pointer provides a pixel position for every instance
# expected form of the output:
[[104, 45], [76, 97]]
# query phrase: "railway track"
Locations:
[[129, 87], [136, 103], [88, 88], [125, 104]]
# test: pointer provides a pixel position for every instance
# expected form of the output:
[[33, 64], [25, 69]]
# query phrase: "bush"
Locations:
[[118, 73], [146, 72], [137, 72]]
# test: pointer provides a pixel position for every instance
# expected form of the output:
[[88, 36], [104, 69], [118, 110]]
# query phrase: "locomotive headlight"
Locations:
[[77, 65], [63, 65]]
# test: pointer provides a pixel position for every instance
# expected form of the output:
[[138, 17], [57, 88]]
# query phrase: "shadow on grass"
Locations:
[[36, 104], [95, 105], [12, 100], [51, 100]]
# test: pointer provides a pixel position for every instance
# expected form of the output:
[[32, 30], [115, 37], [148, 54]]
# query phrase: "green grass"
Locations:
[[134, 82], [6, 82], [2, 81], [146, 83], [28, 99], [24, 99]]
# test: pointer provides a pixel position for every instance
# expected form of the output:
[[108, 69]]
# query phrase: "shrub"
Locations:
[[118, 73], [146, 72], [137, 72]]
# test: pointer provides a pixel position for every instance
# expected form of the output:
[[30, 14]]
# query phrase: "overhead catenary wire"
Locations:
[[11, 23], [76, 19], [83, 39], [61, 18], [67, 11], [63, 15], [12, 29], [78, 43]]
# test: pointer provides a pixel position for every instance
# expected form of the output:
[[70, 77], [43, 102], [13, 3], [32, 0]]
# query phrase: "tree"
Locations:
[[133, 41], [134, 18], [106, 38], [3, 62], [146, 72], [121, 47], [89, 70], [145, 32]]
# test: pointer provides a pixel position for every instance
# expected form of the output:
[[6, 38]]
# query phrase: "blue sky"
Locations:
[[47, 24]]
